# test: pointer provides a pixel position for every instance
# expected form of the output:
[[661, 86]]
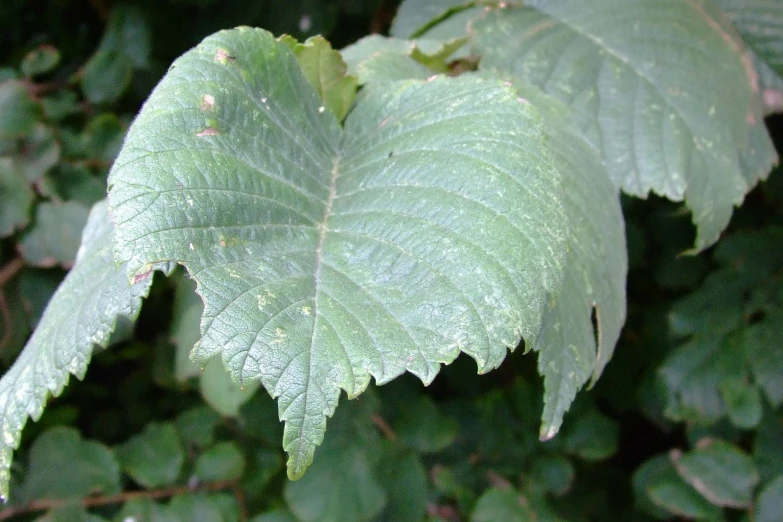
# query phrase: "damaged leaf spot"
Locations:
[[223, 56]]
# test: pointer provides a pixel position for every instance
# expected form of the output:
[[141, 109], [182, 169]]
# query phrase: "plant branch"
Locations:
[[152, 494], [382, 425], [10, 270]]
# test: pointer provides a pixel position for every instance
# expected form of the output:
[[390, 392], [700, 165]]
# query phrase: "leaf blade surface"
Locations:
[[431, 224]]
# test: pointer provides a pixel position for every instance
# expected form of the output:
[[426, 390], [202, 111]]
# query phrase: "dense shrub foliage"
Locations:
[[506, 202]]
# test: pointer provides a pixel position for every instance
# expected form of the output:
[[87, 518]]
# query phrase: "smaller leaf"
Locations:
[[154, 457], [414, 17], [184, 331], [723, 474], [18, 110], [39, 152], [144, 510], [125, 46], [70, 514], [65, 466], [37, 288], [502, 504], [554, 472], [591, 436], [195, 508], [277, 515], [405, 480], [258, 418], [326, 71], [690, 376], [265, 466], [60, 104], [54, 238], [221, 392], [341, 484], [224, 461], [743, 402], [764, 352], [40, 60], [768, 447], [661, 492], [377, 57], [424, 427], [197, 425], [16, 198], [769, 504]]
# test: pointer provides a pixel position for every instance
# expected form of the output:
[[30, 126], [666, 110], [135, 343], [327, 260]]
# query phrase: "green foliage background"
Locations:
[[685, 423]]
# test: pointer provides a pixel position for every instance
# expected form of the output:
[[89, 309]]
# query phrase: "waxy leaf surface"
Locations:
[[83, 313], [648, 81], [430, 225]]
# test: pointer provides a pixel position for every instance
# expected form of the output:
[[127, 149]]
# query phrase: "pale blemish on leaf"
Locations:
[[223, 56], [207, 102]]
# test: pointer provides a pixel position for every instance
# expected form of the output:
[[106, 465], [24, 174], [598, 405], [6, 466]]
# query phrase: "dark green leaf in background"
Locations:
[[722, 473], [221, 392], [39, 152], [768, 446], [197, 425], [82, 314], [16, 198], [404, 478], [424, 427], [342, 485], [502, 504], [154, 457], [18, 110], [763, 344], [769, 504], [40, 60], [63, 465], [125, 46], [661, 492], [54, 237], [223, 461]]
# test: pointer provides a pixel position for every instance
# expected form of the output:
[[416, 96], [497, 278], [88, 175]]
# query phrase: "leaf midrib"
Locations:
[[322, 229]]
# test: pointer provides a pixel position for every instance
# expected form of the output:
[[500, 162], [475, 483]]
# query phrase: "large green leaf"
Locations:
[[82, 314], [430, 225], [595, 272], [659, 88]]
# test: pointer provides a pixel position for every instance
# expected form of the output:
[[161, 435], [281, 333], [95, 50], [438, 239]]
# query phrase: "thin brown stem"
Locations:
[[382, 425], [10, 270], [152, 494], [5, 320]]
